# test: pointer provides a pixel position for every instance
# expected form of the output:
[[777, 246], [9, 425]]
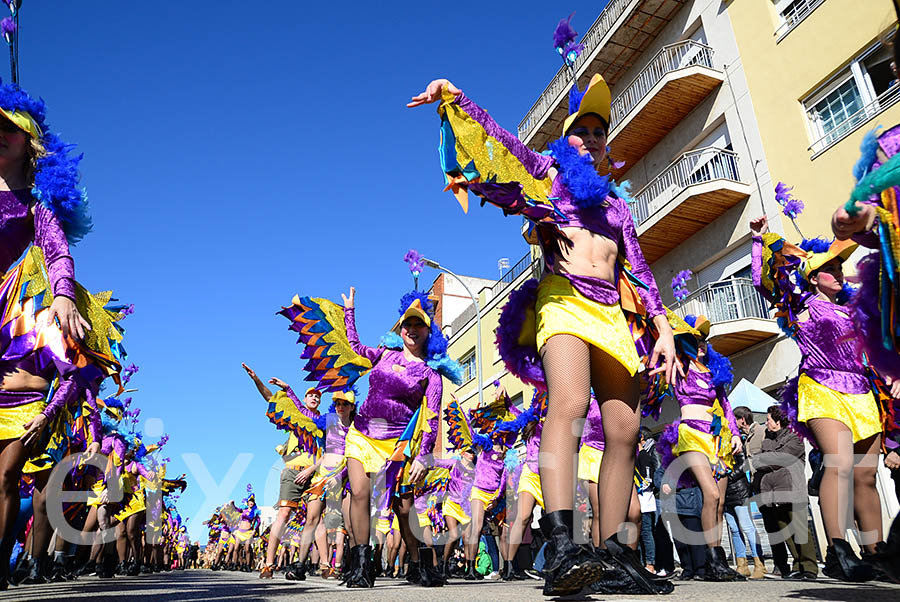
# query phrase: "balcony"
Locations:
[[738, 313], [856, 120], [678, 79], [691, 193], [621, 33]]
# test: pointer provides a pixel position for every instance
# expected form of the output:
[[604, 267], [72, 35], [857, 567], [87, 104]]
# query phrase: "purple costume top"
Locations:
[[461, 480], [612, 220], [18, 229], [697, 388], [533, 448], [396, 388], [826, 339], [490, 471], [592, 435]]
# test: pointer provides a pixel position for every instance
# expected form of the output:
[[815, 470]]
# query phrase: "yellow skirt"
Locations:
[[530, 482], [371, 453], [135, 504], [694, 440], [485, 497], [12, 419], [454, 510], [386, 526], [589, 459], [560, 309], [858, 411], [242, 536]]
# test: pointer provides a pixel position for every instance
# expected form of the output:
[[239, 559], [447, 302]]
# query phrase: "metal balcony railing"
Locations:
[[725, 300], [693, 167], [792, 17], [562, 81], [856, 120], [673, 57]]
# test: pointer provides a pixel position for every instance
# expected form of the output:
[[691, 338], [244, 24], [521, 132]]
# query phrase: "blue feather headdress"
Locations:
[[56, 175], [436, 346]]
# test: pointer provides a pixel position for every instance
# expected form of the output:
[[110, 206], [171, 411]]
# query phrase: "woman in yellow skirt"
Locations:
[[832, 401]]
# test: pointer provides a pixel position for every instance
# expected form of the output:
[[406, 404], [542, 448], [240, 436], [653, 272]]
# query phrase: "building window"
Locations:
[[792, 12], [468, 366], [865, 88]]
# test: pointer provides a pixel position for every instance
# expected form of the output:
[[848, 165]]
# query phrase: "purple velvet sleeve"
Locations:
[[373, 354], [535, 163], [65, 394], [433, 393], [729, 413], [650, 295], [49, 236], [869, 238]]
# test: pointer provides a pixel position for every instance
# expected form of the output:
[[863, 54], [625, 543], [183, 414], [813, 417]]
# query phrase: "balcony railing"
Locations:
[[852, 123], [795, 14], [693, 167], [673, 57], [561, 82], [725, 300]]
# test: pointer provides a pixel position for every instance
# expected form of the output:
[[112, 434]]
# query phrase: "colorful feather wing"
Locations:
[[283, 413], [459, 434], [435, 482], [485, 418], [473, 159], [331, 360]]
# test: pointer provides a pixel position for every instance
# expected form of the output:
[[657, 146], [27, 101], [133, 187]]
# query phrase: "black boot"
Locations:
[[38, 572], [517, 573], [430, 577], [107, 568], [567, 568], [471, 573], [841, 562], [87, 568], [377, 564], [22, 569], [620, 556], [887, 555], [361, 577], [507, 574], [296, 572], [413, 574], [716, 570], [723, 559], [349, 568]]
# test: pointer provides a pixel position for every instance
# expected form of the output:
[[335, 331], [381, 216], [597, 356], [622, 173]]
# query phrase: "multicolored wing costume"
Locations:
[[25, 297], [780, 262], [332, 362], [460, 432], [284, 414], [486, 418], [473, 159]]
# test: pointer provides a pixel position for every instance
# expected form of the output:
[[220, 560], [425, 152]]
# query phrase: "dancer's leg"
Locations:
[[475, 529], [698, 464], [313, 515], [275, 533], [836, 442], [360, 496], [866, 501], [521, 522]]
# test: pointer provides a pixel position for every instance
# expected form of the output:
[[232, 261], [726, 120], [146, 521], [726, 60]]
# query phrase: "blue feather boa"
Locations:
[[56, 175], [868, 156], [588, 188]]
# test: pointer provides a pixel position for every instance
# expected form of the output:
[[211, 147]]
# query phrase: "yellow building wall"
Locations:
[[781, 74], [491, 365]]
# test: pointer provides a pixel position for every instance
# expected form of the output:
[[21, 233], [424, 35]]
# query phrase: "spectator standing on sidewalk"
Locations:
[[740, 523]]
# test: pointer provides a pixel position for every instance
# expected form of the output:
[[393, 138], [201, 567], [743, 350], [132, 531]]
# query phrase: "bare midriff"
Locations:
[[589, 254], [20, 380], [696, 412]]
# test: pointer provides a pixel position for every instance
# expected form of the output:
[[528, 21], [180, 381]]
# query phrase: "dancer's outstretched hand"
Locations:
[[759, 226], [250, 371], [279, 383], [349, 301], [33, 429], [432, 93], [417, 471], [845, 225]]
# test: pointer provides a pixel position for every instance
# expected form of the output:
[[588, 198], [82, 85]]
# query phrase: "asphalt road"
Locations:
[[203, 585]]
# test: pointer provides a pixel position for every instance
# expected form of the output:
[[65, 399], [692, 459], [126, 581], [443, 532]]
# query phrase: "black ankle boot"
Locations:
[[841, 562], [723, 559], [887, 555], [349, 567], [716, 570], [507, 574], [107, 568], [362, 576], [430, 577], [38, 572], [471, 573], [517, 573], [567, 568], [296, 572], [622, 557], [377, 564], [413, 572]]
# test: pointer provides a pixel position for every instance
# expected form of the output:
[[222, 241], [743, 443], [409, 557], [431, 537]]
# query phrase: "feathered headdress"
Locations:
[[679, 285], [791, 207], [718, 364]]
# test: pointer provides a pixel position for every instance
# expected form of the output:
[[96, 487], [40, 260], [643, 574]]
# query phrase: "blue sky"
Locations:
[[237, 155]]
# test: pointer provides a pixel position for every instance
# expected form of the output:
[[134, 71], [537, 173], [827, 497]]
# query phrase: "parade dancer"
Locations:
[[577, 316], [831, 402], [706, 436], [456, 506]]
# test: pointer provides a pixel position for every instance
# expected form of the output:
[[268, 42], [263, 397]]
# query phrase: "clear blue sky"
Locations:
[[238, 153]]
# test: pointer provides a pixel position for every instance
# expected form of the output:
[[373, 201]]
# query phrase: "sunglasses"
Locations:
[[342, 403], [8, 127]]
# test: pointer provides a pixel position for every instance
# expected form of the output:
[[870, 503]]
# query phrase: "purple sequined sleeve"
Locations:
[[433, 393], [49, 236], [535, 163], [372, 354], [65, 394], [635, 256]]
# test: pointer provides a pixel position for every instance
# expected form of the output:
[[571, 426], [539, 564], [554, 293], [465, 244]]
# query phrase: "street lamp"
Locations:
[[433, 264]]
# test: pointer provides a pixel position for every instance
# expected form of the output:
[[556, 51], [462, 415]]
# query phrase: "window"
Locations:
[[792, 12], [468, 366], [860, 92]]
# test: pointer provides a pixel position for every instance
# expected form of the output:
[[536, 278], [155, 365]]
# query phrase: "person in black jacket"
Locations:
[[783, 501]]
